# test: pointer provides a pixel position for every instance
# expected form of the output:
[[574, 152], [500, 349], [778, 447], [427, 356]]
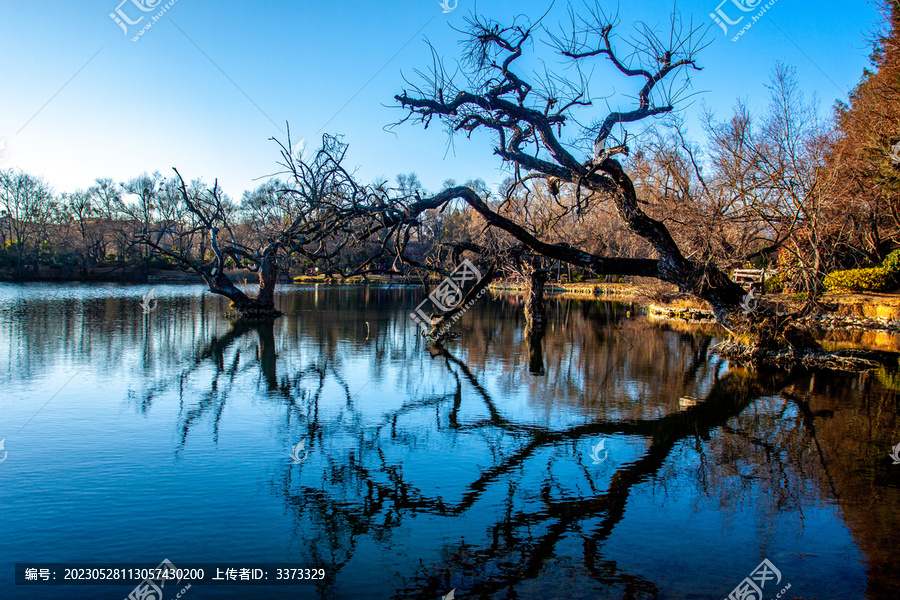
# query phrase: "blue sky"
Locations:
[[208, 84]]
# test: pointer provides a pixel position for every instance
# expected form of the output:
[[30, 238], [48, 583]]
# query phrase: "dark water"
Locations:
[[135, 438]]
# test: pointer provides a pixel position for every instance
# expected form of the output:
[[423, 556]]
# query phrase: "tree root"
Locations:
[[789, 356]]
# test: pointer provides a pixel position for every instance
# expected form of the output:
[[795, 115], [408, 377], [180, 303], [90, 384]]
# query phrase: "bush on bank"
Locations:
[[874, 279]]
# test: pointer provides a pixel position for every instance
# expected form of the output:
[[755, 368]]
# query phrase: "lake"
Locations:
[[614, 458]]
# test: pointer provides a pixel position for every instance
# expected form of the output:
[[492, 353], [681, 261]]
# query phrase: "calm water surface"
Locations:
[[135, 438]]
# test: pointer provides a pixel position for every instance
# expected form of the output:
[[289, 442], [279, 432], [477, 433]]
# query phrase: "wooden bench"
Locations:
[[752, 277]]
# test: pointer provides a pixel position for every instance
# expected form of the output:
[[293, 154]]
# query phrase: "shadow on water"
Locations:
[[475, 466]]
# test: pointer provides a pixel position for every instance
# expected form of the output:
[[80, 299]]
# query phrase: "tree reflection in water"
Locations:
[[521, 489]]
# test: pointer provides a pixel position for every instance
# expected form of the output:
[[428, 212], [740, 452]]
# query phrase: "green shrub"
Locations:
[[875, 279], [892, 261], [161, 263], [774, 285]]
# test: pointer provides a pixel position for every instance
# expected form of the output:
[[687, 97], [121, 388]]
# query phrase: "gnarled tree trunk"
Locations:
[[268, 278], [261, 306], [242, 304]]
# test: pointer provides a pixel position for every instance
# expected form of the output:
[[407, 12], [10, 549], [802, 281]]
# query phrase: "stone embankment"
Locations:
[[824, 322]]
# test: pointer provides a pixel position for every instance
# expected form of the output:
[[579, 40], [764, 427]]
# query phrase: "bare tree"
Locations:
[[772, 173], [527, 120], [106, 197], [27, 203], [546, 128], [80, 206], [320, 213], [209, 214]]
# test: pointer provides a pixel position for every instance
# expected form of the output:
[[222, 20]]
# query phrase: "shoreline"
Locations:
[[851, 312], [845, 311]]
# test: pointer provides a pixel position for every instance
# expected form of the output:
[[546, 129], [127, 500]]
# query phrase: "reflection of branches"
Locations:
[[225, 370], [228, 362], [771, 452], [808, 417], [515, 542], [212, 400], [372, 493], [360, 485]]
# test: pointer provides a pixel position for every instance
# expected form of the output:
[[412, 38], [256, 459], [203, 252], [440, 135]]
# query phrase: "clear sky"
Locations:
[[207, 85]]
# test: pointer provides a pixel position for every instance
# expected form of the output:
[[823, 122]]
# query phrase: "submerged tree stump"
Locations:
[[535, 308]]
